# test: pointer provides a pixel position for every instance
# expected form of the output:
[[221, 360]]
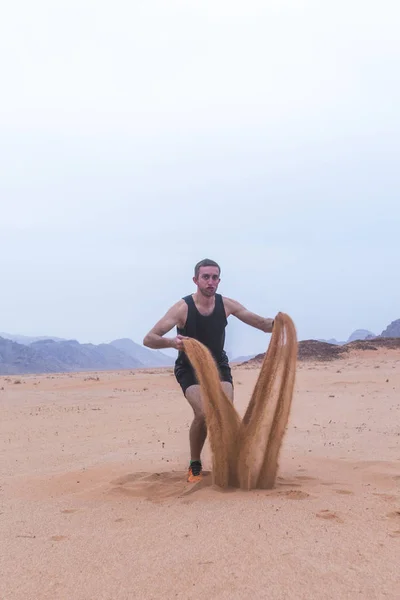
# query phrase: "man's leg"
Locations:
[[198, 428]]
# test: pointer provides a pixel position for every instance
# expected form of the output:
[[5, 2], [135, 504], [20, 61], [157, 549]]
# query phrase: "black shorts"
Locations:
[[186, 376]]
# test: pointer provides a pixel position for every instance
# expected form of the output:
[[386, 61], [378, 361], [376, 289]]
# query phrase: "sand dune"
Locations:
[[94, 502]]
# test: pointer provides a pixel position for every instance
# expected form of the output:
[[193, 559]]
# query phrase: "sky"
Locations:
[[137, 138]]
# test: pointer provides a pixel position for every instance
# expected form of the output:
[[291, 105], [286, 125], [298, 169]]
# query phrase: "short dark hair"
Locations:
[[206, 262]]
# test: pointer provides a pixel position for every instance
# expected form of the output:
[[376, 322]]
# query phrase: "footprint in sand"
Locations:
[[345, 492], [387, 497], [329, 516], [58, 538], [69, 511], [292, 494], [395, 534], [329, 483], [394, 515], [282, 483]]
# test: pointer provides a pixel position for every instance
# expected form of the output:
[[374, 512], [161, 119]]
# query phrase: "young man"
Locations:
[[202, 316]]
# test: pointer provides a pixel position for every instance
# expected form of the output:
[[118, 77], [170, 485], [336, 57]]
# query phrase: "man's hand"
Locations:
[[269, 325], [177, 342]]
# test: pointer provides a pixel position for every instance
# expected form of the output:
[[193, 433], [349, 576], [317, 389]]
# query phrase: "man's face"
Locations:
[[207, 281]]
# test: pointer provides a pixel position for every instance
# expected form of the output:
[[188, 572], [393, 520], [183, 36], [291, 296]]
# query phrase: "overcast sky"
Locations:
[[137, 138]]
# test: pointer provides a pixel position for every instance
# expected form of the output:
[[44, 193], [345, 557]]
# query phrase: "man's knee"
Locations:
[[193, 396], [228, 389], [199, 417], [199, 421]]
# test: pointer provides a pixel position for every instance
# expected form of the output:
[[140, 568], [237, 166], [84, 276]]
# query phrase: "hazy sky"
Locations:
[[137, 138]]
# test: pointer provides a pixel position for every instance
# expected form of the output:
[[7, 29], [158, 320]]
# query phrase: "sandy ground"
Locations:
[[94, 502]]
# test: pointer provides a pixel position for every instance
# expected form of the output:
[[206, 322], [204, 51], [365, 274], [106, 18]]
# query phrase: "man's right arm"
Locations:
[[155, 338]]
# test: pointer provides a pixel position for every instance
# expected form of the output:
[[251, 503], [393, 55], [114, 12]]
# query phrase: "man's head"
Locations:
[[207, 277]]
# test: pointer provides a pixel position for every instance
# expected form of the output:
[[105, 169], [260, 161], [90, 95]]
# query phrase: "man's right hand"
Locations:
[[177, 342]]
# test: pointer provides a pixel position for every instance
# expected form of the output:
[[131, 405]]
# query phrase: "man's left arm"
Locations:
[[232, 307]]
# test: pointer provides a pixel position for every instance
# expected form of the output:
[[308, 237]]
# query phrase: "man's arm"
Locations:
[[155, 340], [232, 307]]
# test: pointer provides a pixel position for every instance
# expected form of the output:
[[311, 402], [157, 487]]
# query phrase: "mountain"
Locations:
[[82, 357], [148, 358], [58, 354], [17, 358], [48, 356], [392, 330], [360, 334]]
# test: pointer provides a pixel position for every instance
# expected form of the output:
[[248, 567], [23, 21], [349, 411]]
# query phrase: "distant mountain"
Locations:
[[48, 356], [148, 358], [241, 359], [27, 339], [360, 334], [332, 341], [392, 330]]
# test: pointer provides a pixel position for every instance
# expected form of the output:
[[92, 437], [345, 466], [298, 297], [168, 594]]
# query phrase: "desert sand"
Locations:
[[94, 503]]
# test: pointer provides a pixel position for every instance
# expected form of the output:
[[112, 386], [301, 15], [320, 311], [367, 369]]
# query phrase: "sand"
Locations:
[[94, 502], [245, 452]]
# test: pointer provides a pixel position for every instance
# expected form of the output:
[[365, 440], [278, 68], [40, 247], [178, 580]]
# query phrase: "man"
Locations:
[[202, 316]]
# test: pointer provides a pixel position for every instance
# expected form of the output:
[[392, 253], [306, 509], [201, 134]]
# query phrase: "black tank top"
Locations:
[[209, 330]]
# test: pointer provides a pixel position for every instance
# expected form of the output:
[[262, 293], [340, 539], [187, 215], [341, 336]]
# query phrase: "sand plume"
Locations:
[[245, 452]]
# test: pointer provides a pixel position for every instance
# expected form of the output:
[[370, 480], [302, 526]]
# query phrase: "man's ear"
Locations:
[[195, 280]]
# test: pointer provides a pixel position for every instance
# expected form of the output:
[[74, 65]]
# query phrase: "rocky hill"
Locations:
[[314, 350], [321, 351], [392, 330], [360, 334]]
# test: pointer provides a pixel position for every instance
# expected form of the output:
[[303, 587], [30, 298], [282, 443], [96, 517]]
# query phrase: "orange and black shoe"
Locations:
[[195, 471]]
